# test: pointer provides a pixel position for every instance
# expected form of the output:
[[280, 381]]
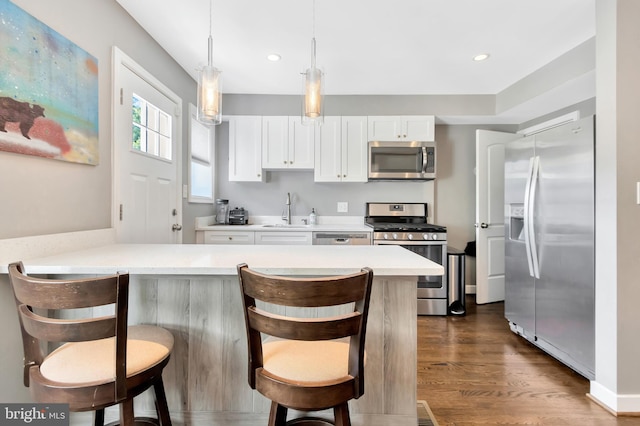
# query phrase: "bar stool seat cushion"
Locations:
[[307, 362], [94, 361]]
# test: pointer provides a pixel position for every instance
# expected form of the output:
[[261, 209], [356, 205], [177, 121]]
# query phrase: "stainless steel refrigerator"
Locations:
[[549, 242]]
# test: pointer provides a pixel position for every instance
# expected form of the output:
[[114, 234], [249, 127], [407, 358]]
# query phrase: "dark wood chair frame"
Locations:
[[37, 295], [306, 292]]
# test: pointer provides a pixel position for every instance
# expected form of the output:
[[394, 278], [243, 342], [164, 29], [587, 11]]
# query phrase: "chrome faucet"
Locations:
[[286, 214]]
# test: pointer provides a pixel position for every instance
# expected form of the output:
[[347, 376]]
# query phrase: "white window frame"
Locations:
[[202, 154]]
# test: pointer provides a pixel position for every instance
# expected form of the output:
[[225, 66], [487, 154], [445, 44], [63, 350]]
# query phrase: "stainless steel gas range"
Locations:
[[407, 225]]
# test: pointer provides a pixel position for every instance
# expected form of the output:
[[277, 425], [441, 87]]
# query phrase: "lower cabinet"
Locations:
[[254, 237], [287, 237], [224, 237]]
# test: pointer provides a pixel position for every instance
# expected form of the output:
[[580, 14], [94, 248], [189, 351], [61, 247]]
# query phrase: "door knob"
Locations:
[[484, 225], [176, 227]]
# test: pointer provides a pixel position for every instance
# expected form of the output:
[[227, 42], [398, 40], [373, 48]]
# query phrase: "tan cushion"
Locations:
[[94, 361], [305, 362]]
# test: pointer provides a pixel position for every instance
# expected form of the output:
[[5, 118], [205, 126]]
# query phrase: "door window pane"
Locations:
[[151, 129]]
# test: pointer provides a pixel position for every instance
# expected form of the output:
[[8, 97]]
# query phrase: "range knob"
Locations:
[[434, 236], [395, 236], [425, 236], [410, 236], [385, 236]]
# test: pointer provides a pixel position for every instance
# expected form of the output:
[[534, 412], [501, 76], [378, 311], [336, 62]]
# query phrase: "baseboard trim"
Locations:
[[616, 404]]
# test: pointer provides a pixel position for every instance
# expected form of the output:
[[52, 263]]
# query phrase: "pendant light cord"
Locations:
[[313, 39], [210, 41]]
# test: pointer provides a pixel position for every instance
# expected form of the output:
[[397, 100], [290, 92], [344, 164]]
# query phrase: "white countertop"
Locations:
[[274, 223], [288, 228], [202, 259]]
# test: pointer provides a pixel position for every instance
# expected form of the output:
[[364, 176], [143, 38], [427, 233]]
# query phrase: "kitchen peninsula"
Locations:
[[192, 290]]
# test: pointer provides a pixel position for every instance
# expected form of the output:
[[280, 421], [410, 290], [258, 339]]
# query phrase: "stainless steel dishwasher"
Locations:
[[341, 238]]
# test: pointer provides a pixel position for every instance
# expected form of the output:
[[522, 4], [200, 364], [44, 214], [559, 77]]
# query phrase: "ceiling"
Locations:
[[373, 47]]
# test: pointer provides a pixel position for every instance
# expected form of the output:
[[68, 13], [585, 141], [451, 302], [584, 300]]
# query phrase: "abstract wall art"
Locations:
[[48, 91]]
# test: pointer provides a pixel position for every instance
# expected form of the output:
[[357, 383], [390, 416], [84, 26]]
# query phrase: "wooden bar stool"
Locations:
[[304, 367], [102, 362]]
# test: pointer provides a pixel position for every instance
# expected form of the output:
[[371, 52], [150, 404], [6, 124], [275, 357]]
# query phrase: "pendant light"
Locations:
[[312, 102], [209, 94]]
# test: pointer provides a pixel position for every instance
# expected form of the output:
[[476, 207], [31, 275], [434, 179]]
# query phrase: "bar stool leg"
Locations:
[[126, 413], [161, 403], [341, 413], [277, 415], [98, 417]]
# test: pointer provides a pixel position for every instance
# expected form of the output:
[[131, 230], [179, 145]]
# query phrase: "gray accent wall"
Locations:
[[451, 196], [42, 196], [576, 64]]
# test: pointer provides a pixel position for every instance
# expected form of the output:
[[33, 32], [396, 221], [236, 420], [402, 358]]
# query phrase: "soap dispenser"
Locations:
[[313, 217]]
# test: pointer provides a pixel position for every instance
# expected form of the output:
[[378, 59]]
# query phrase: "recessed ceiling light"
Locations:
[[273, 57], [481, 57]]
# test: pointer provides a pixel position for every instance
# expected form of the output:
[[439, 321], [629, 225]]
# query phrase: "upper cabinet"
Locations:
[[287, 143], [341, 150], [245, 148], [402, 128]]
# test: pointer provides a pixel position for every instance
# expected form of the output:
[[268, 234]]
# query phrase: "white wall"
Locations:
[[617, 382]]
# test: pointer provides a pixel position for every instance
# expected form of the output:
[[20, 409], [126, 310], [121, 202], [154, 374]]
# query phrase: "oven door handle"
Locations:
[[410, 243]]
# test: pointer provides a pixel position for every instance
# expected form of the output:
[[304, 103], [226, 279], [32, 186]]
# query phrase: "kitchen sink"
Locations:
[[285, 225]]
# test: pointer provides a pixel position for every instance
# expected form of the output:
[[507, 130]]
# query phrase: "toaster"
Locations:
[[238, 216]]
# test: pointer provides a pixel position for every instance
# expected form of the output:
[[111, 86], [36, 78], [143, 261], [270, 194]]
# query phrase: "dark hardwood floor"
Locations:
[[472, 370]]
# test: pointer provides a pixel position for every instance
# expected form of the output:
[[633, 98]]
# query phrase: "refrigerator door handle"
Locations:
[[532, 203], [527, 216]]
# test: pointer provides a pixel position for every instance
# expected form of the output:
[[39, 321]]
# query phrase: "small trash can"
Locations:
[[470, 276], [456, 272]]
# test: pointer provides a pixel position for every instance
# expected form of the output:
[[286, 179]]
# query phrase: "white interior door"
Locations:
[[490, 215], [147, 167]]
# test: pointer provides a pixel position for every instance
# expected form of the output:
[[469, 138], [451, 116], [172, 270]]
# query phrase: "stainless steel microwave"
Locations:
[[402, 160]]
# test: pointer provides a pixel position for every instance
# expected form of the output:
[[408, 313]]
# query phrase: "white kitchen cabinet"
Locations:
[[283, 238], [287, 143], [341, 150], [227, 237], [402, 128], [245, 149]]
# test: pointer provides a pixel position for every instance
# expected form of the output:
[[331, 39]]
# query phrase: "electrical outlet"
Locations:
[[185, 191], [343, 207]]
